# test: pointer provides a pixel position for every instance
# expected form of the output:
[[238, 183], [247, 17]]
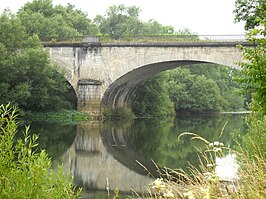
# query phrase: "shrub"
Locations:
[[24, 172], [118, 113]]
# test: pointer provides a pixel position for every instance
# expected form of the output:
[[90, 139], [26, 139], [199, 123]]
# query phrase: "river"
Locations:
[[122, 154]]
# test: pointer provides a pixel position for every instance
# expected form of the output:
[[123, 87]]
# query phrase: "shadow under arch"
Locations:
[[118, 94], [71, 95]]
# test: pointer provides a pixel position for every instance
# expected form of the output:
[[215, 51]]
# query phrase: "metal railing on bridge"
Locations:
[[150, 38]]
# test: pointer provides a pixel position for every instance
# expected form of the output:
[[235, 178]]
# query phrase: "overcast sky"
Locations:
[[205, 17]]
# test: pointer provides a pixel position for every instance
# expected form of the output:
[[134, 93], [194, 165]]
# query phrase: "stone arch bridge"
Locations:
[[106, 74]]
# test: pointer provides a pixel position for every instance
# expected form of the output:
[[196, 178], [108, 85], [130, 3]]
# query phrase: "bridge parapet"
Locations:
[[148, 38]]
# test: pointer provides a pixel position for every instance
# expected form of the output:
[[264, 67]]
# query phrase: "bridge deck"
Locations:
[[146, 44]]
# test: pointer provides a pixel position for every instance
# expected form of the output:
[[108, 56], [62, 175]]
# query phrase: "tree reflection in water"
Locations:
[[122, 151]]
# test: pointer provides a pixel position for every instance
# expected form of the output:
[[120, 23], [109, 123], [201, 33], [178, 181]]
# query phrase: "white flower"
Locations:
[[209, 165], [207, 174], [189, 195], [168, 194], [211, 145], [221, 144], [206, 192], [158, 184], [216, 143]]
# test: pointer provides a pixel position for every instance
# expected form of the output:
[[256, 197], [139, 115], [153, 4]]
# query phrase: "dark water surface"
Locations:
[[120, 154]]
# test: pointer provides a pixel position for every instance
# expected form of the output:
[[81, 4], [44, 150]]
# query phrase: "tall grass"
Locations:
[[205, 183], [24, 172]]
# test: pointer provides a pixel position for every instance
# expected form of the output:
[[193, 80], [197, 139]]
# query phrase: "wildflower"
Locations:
[[211, 145], [221, 144], [216, 143], [206, 192], [207, 174], [189, 195], [158, 184], [218, 150], [168, 194], [209, 165]]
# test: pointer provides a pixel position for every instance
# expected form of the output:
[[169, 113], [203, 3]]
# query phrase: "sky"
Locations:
[[204, 17]]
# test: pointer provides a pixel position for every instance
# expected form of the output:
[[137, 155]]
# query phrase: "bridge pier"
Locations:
[[89, 97]]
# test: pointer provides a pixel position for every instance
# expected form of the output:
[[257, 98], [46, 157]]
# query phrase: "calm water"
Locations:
[[121, 154]]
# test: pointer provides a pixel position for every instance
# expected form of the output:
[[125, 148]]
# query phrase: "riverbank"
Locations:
[[236, 112], [63, 116]]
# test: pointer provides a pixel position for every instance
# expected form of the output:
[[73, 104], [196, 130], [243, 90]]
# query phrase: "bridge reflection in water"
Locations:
[[99, 153]]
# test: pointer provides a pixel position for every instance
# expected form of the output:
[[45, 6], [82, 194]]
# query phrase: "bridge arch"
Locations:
[[118, 94], [106, 74]]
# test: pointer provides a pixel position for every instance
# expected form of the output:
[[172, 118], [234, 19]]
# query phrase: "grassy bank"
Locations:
[[63, 116]]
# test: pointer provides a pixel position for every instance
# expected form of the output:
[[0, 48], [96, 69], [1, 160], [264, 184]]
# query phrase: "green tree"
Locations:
[[24, 172], [152, 100], [250, 11], [28, 79], [253, 71], [192, 93], [180, 89], [153, 27], [253, 79], [119, 21], [232, 100], [55, 22]]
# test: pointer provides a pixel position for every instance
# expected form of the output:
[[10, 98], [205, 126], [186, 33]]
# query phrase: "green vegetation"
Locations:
[[28, 79], [253, 80], [251, 154], [31, 82], [152, 100], [52, 23], [121, 22], [202, 88], [25, 173], [62, 116]]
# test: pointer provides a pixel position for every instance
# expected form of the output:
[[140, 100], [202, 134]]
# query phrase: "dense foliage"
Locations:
[[120, 21], [25, 173], [224, 77], [252, 12], [253, 73], [253, 78], [65, 23], [197, 88], [55, 22], [253, 81], [28, 79], [192, 93], [152, 100]]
